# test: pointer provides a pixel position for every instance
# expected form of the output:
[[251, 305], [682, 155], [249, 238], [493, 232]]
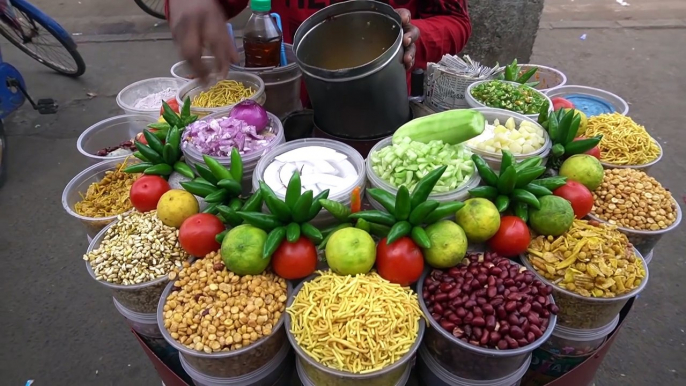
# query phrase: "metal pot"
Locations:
[[281, 84], [350, 54]]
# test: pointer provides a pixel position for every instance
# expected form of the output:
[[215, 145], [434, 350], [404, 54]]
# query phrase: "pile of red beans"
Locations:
[[489, 301]]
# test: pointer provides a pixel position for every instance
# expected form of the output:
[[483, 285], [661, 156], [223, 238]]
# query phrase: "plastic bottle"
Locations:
[[261, 37]]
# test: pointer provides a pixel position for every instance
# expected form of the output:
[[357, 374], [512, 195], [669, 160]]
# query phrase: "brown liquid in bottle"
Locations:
[[261, 53]]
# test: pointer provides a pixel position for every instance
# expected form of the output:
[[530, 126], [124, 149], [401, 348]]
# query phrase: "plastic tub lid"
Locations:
[[251, 159], [454, 380], [129, 95], [250, 379], [376, 181], [579, 335], [353, 156], [502, 115], [642, 232], [590, 100]]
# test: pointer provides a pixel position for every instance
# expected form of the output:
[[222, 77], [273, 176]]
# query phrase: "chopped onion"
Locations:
[[252, 113], [216, 137]]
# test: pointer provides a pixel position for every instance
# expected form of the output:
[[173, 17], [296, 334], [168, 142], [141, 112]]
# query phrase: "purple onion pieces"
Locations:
[[216, 137]]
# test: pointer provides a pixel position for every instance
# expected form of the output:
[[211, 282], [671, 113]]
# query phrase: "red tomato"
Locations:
[[561, 103], [512, 238], [578, 195], [197, 234], [146, 191], [141, 138], [401, 262], [173, 103], [595, 151], [295, 260]]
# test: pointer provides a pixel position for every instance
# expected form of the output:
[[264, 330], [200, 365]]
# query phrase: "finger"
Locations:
[[405, 16], [408, 58], [219, 44], [190, 45], [413, 33]]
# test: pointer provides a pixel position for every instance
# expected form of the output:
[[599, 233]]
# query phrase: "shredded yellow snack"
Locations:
[[590, 259], [359, 324], [224, 93], [624, 141], [109, 196]]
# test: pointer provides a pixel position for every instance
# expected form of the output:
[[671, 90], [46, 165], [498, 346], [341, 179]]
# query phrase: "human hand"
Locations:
[[200, 24], [410, 36]]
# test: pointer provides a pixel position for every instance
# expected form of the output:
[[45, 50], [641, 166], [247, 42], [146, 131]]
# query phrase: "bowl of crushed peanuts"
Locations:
[[638, 205], [594, 271]]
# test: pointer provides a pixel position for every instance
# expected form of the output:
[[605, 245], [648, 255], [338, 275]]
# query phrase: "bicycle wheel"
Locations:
[[152, 7], [39, 38]]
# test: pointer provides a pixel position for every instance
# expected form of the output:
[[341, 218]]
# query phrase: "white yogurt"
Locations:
[[320, 168]]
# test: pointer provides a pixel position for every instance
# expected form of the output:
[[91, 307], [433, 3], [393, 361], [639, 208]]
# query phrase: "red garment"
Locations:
[[444, 24]]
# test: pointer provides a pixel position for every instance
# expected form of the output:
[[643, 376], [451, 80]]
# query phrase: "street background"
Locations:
[[60, 328]]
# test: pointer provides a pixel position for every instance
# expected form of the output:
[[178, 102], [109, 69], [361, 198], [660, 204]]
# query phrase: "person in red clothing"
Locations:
[[432, 27]]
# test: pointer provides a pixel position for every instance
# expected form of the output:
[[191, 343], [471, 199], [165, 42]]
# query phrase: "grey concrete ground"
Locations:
[[60, 328]]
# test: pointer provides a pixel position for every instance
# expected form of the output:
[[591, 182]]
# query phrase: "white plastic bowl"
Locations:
[[111, 132], [194, 87], [472, 102], [547, 77], [182, 70], [324, 218], [459, 194], [129, 95], [494, 159]]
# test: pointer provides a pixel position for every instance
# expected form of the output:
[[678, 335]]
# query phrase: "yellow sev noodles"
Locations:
[[624, 141], [357, 324], [224, 93]]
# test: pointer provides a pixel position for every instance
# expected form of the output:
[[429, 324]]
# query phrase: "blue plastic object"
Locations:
[[283, 47], [590, 105]]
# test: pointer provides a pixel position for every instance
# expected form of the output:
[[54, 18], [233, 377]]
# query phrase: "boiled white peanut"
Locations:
[[138, 248]]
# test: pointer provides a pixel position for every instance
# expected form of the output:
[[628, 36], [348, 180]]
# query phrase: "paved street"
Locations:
[[60, 327]]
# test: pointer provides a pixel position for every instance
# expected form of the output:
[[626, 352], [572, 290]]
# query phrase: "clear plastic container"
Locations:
[[80, 184], [645, 241], [495, 159], [582, 313], [271, 374], [250, 160], [228, 364], [649, 257], [129, 95], [467, 361], [644, 167], [319, 374], [473, 103], [182, 70], [573, 342], [324, 218], [547, 77], [611, 100], [111, 132], [141, 298], [145, 325], [308, 382], [432, 373], [194, 87], [375, 181]]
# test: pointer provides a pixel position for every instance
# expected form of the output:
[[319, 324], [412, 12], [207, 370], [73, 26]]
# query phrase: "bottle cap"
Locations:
[[261, 5]]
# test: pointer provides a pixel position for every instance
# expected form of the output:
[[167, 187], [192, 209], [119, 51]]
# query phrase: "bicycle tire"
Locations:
[[152, 11], [45, 22]]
